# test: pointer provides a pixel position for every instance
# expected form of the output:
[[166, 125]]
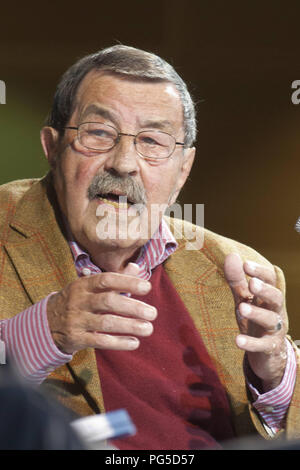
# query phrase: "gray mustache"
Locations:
[[108, 183]]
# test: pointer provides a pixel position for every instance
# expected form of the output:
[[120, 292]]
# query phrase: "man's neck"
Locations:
[[115, 260]]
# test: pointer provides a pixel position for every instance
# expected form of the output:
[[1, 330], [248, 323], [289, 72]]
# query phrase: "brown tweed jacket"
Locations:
[[35, 260]]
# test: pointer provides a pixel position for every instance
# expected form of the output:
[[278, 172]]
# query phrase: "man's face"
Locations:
[[129, 106]]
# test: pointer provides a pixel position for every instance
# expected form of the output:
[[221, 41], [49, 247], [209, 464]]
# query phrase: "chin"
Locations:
[[120, 241], [123, 230]]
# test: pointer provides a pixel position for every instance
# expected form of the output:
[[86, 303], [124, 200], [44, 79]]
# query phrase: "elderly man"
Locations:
[[109, 317]]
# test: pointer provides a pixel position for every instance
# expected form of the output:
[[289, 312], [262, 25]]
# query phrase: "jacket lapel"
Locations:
[[38, 249], [42, 258]]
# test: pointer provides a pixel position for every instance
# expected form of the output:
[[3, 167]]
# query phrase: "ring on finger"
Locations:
[[279, 324]]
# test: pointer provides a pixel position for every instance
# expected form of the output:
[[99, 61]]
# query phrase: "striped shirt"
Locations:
[[273, 405], [30, 345], [153, 253]]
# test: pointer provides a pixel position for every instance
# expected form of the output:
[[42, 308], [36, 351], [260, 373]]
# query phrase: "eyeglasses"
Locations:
[[151, 144]]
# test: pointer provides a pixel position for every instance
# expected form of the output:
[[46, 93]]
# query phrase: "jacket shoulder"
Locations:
[[10, 195], [213, 246], [15, 190], [219, 247]]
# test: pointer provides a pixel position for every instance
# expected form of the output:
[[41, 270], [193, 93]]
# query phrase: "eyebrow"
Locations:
[[93, 109], [159, 124], [99, 111]]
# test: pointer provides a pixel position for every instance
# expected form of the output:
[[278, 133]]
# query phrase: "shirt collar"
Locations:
[[154, 252]]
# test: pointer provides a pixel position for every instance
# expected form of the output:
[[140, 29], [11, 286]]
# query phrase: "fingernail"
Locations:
[[133, 343], [245, 309], [134, 265], [144, 287], [257, 284], [251, 265], [147, 326], [241, 341], [149, 313]]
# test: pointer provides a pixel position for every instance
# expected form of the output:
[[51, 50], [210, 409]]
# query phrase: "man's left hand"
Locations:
[[260, 314]]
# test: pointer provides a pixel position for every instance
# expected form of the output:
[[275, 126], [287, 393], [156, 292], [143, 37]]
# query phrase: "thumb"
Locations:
[[132, 269], [236, 278]]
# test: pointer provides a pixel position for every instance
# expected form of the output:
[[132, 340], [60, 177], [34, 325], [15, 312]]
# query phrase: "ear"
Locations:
[[50, 140], [184, 171]]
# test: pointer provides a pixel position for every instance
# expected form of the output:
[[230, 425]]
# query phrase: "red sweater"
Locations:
[[169, 386]]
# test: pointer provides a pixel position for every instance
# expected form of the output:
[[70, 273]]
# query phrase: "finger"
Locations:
[[266, 344], [270, 295], [263, 273], [132, 269], [111, 301], [267, 319], [117, 282], [236, 278], [111, 342], [119, 325]]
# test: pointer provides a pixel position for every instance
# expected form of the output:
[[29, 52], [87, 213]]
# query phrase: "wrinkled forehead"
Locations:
[[103, 90]]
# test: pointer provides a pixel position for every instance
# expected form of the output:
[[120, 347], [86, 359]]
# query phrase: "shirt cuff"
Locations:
[[273, 405], [29, 343]]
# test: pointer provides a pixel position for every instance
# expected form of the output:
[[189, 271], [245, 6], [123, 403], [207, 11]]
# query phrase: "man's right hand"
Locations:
[[80, 315]]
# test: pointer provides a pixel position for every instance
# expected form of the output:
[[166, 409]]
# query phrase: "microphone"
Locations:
[[297, 225]]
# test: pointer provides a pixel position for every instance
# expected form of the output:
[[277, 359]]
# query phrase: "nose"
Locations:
[[123, 158]]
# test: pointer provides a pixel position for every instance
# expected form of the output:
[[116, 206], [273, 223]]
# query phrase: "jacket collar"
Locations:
[[39, 250]]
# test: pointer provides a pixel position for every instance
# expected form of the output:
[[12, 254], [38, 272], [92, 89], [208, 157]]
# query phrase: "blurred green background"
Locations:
[[239, 59]]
